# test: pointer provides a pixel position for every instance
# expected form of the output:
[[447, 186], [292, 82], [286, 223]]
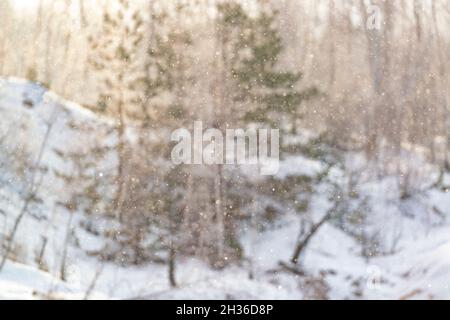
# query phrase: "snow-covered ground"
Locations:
[[415, 232], [420, 270]]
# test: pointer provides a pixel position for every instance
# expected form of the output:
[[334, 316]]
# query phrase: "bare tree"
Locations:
[[31, 192]]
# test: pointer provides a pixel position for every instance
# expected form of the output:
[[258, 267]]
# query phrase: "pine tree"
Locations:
[[248, 88], [115, 53], [258, 84], [153, 209], [167, 67], [168, 72]]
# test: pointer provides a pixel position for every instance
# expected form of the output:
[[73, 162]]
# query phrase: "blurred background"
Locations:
[[92, 207]]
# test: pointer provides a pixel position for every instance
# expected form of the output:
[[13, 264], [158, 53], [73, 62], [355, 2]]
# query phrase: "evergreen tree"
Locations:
[[153, 209], [249, 88], [167, 67], [258, 84], [115, 54]]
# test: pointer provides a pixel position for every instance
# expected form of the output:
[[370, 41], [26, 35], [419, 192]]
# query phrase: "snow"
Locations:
[[300, 166], [417, 229]]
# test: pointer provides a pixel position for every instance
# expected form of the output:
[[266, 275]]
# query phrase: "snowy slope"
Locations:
[[419, 267], [27, 112]]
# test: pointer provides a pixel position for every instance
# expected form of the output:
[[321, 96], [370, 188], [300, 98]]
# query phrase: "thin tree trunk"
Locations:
[[30, 194], [120, 195], [172, 257], [219, 211], [42, 251], [93, 283], [62, 271], [301, 245]]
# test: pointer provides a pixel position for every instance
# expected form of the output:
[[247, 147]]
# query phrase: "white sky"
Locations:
[[24, 4]]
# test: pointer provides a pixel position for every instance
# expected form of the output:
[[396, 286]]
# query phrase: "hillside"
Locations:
[[411, 258]]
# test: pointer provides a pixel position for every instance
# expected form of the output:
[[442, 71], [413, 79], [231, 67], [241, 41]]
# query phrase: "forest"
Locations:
[[342, 193]]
